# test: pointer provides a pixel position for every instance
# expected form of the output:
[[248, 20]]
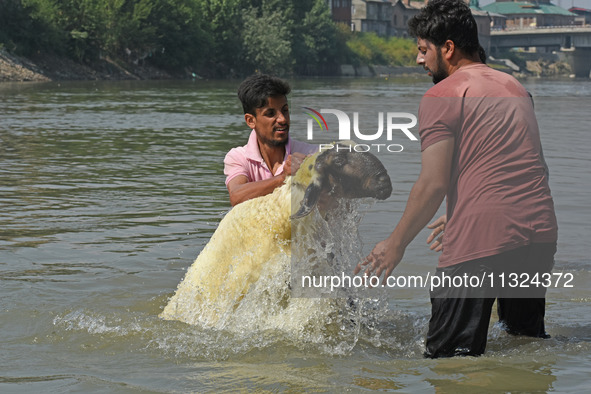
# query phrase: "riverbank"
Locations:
[[45, 67], [53, 68]]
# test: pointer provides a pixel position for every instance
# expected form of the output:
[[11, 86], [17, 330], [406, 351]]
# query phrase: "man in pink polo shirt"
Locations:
[[481, 150], [257, 168]]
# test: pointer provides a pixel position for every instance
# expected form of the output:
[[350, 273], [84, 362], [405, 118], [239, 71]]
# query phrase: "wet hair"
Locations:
[[255, 90], [442, 20]]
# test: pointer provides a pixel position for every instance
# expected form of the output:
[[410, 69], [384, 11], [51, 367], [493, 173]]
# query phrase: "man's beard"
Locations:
[[440, 74], [277, 143], [274, 143]]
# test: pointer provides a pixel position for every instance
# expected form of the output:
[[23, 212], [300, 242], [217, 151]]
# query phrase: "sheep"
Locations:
[[252, 245]]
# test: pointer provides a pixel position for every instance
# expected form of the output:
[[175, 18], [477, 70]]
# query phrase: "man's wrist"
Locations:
[[396, 242]]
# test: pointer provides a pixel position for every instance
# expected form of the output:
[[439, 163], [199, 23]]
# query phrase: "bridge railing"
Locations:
[[529, 28]]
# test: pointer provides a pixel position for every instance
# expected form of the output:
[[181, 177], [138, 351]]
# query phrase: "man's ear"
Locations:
[[250, 120], [448, 49]]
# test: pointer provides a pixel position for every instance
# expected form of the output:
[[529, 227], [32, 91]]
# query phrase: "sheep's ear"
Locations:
[[310, 200], [312, 193]]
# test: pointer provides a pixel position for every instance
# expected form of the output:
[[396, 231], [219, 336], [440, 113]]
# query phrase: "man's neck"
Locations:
[[461, 62], [272, 155]]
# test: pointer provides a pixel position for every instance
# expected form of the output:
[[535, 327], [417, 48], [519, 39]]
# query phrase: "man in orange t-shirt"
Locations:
[[481, 149]]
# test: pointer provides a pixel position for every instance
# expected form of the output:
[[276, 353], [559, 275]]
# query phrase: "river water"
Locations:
[[109, 190]]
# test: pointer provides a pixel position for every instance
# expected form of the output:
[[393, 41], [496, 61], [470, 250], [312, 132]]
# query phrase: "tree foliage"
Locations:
[[212, 37], [266, 40], [369, 48], [26, 26]]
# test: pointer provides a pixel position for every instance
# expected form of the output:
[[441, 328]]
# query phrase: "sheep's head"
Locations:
[[343, 172]]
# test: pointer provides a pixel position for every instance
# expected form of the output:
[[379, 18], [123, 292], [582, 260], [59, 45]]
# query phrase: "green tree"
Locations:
[[180, 36], [267, 40], [84, 23], [26, 26], [213, 37], [369, 48], [128, 26], [315, 39], [222, 19]]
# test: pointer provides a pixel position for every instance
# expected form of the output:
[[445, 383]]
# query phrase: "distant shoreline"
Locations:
[[45, 68], [53, 68]]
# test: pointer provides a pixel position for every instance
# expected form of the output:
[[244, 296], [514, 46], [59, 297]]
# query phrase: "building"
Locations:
[[529, 14], [372, 16], [403, 10], [583, 17], [484, 21], [340, 10]]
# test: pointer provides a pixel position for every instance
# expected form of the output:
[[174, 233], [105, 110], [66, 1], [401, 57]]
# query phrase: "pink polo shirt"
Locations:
[[247, 160], [498, 198]]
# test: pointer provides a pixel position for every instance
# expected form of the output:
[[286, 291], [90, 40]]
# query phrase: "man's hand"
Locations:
[[424, 199], [383, 259], [438, 226], [292, 163]]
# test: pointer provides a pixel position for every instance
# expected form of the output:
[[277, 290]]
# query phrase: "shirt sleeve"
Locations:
[[439, 119], [234, 165]]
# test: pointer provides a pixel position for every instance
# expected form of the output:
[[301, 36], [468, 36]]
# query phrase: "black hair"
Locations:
[[255, 90], [442, 20], [482, 54]]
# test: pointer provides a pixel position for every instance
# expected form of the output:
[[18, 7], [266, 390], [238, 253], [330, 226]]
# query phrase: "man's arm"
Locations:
[[240, 189], [423, 202]]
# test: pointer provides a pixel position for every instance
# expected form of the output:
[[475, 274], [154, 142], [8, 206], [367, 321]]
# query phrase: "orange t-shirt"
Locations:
[[499, 198]]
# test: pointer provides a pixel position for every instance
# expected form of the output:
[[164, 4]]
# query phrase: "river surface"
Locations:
[[109, 191]]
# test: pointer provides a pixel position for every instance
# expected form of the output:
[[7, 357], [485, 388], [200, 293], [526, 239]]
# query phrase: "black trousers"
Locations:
[[461, 307]]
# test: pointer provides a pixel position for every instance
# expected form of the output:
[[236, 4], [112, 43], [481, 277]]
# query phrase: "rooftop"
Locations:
[[579, 9], [525, 7], [416, 4]]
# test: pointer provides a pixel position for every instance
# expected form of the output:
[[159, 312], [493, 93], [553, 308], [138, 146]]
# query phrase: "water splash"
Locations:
[[273, 302]]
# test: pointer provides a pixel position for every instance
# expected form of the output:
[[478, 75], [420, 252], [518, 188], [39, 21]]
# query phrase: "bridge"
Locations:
[[574, 42]]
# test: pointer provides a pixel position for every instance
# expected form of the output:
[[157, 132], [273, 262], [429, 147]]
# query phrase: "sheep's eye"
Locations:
[[339, 161]]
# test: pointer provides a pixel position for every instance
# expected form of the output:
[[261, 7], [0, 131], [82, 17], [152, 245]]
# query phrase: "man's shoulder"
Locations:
[[236, 154], [477, 80], [448, 87]]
